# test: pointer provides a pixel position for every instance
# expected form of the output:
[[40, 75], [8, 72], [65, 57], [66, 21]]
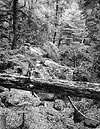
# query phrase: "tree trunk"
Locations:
[[56, 22], [57, 87], [29, 13], [15, 12]]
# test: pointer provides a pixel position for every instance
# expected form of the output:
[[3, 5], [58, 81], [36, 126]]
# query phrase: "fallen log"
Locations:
[[58, 87]]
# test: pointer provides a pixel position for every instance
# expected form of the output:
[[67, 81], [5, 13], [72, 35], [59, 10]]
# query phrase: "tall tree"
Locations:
[[56, 21], [15, 13]]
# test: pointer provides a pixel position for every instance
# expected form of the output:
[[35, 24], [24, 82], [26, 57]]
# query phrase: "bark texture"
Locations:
[[57, 87], [15, 13]]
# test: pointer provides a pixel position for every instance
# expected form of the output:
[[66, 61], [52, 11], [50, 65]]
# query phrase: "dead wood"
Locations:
[[57, 87]]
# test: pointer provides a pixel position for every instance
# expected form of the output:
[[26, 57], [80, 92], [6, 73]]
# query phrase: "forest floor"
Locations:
[[26, 111]]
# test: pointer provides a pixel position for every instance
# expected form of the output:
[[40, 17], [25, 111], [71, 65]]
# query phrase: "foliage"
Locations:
[[74, 27], [92, 23], [73, 23]]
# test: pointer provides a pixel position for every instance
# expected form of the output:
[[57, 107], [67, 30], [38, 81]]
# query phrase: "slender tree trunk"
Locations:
[[15, 12], [29, 20], [29, 13], [9, 29], [56, 22]]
